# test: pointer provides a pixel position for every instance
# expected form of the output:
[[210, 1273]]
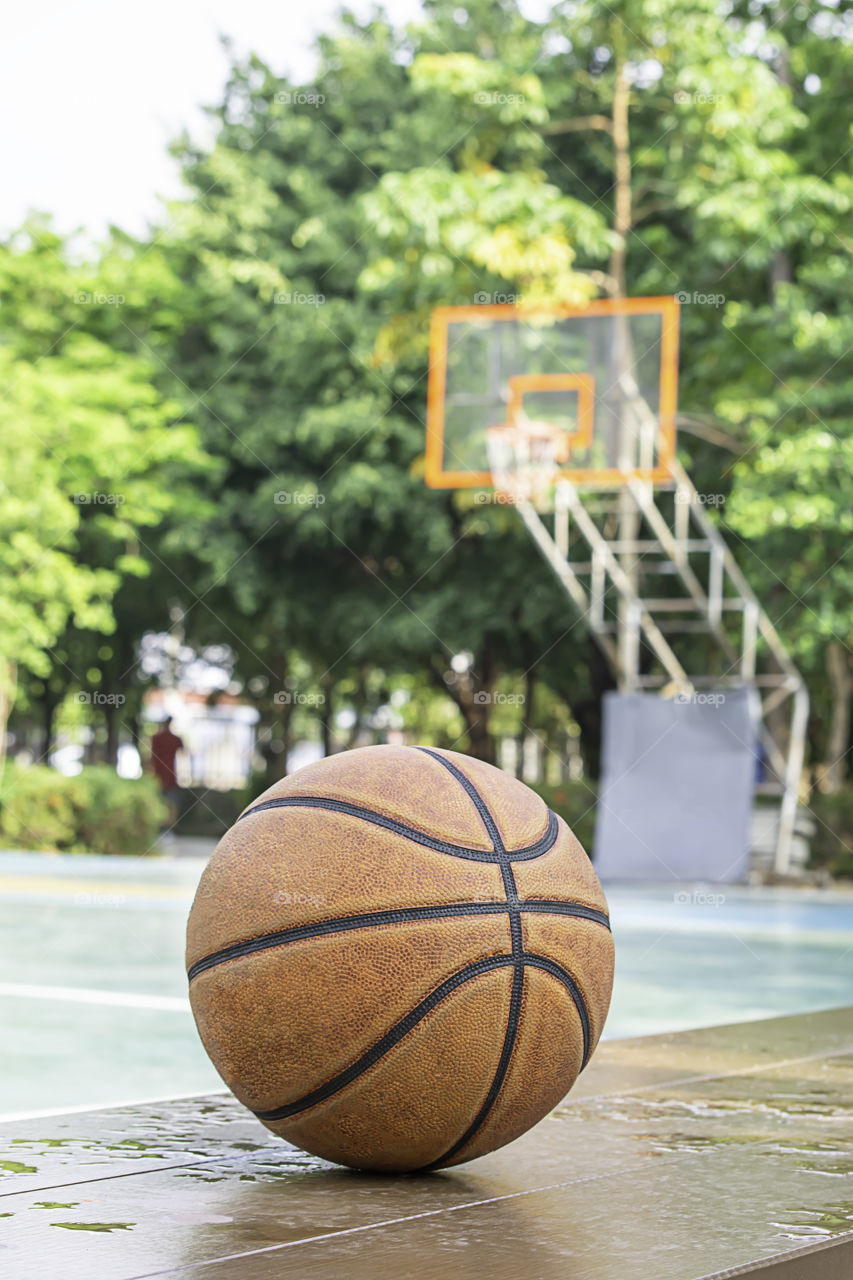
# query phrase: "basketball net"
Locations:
[[524, 459]]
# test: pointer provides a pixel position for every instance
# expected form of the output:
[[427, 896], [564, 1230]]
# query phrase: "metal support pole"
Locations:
[[715, 586], [682, 499], [750, 636], [596, 588], [561, 524], [793, 772], [630, 642]]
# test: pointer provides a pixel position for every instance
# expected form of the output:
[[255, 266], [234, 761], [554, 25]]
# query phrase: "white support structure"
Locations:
[[683, 581]]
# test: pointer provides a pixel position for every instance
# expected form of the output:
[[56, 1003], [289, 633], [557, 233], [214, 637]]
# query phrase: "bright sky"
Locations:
[[92, 92]]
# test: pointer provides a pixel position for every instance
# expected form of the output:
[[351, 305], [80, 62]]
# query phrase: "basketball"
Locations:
[[399, 958]]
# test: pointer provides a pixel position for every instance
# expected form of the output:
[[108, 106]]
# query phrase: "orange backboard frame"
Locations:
[[521, 384], [439, 477]]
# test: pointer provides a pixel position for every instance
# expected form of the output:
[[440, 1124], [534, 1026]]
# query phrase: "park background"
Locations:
[[211, 447]]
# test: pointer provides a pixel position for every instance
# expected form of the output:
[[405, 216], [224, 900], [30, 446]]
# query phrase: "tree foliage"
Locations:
[[283, 311]]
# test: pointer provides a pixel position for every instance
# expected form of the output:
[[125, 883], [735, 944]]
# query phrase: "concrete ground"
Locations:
[[713, 1153]]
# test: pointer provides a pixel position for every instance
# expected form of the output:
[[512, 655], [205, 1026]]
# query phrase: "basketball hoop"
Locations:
[[606, 372], [525, 458]]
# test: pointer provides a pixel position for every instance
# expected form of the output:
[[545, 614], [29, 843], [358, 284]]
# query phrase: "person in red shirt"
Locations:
[[165, 746]]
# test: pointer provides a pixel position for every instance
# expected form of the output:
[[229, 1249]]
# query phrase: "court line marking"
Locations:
[[9, 1117], [44, 886], [387, 1222], [85, 995], [132, 1173], [8, 1189], [616, 1094]]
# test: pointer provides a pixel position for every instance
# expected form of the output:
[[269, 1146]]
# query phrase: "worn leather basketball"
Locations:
[[399, 958]]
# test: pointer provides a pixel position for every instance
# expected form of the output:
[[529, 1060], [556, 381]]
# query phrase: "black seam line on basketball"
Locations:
[[557, 970], [402, 915], [557, 908], [502, 1068], [416, 1015], [512, 906], [512, 1018], [479, 803], [389, 1040], [542, 845]]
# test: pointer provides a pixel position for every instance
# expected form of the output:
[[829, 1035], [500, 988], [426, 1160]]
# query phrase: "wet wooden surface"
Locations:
[[675, 1157]]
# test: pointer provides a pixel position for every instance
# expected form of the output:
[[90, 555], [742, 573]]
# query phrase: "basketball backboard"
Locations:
[[605, 374]]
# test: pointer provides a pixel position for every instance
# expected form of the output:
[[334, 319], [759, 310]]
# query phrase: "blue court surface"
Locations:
[[93, 998]]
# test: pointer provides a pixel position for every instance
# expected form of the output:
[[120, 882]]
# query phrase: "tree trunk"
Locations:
[[527, 712], [111, 720], [48, 708], [275, 761], [472, 693], [588, 711], [327, 717], [781, 267], [622, 204], [285, 721], [478, 720], [519, 751], [480, 744], [781, 272], [359, 707], [279, 724], [841, 684], [8, 684]]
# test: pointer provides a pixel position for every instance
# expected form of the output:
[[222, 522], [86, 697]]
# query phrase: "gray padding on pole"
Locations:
[[677, 785]]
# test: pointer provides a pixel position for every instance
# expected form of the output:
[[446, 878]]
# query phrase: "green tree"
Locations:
[[91, 454], [285, 309], [324, 544]]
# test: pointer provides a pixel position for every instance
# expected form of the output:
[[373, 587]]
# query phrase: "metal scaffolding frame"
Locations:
[[701, 590]]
